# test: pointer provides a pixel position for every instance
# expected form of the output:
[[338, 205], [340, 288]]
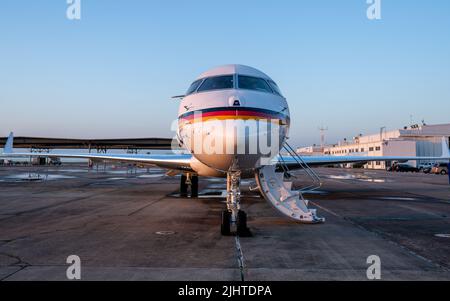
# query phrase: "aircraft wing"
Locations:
[[292, 163], [168, 161]]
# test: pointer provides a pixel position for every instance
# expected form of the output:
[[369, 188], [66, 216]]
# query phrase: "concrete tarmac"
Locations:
[[130, 225]]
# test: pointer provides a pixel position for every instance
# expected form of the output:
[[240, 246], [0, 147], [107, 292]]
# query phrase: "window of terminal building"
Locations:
[[370, 149], [377, 148], [378, 163], [362, 150]]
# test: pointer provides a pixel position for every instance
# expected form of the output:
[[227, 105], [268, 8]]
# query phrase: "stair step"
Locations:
[[280, 176], [280, 194], [288, 185]]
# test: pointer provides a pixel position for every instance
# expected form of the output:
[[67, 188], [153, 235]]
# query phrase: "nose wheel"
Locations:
[[225, 226], [240, 224], [234, 218]]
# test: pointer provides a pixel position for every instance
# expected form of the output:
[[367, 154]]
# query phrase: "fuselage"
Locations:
[[232, 118]]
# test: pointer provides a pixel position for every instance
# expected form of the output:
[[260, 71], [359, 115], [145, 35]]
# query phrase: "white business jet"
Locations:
[[234, 121]]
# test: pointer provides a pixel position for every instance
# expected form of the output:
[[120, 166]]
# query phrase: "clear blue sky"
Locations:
[[112, 73]]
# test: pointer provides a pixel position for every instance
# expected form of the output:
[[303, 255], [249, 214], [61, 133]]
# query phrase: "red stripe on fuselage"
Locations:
[[230, 113]]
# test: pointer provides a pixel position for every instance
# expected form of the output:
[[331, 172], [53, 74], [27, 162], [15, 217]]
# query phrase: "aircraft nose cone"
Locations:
[[235, 101], [234, 144]]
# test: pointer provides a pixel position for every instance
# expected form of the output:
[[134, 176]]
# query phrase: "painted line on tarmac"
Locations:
[[325, 209]]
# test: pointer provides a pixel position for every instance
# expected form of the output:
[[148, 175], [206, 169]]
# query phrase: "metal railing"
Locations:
[[316, 181]]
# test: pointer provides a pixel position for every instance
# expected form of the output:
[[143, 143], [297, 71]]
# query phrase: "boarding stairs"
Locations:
[[277, 190]]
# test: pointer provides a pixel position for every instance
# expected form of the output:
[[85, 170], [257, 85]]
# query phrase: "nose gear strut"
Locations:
[[234, 218]]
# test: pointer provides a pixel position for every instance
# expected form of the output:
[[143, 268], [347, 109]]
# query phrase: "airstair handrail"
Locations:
[[317, 182]]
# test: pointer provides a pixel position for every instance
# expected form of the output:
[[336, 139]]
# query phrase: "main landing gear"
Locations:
[[188, 180], [234, 219]]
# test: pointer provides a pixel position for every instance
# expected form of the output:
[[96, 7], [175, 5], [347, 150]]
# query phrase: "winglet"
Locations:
[[8, 149], [445, 150]]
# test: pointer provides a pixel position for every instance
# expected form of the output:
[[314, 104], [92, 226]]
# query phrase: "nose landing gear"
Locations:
[[234, 218]]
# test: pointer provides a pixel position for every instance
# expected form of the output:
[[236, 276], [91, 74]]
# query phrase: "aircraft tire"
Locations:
[[241, 225], [194, 186], [183, 186], [226, 223]]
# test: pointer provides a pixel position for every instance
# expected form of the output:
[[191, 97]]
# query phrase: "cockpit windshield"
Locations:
[[217, 83], [227, 82], [275, 88], [194, 87], [253, 83]]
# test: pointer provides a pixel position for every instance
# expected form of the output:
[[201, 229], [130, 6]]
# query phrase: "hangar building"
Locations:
[[416, 140]]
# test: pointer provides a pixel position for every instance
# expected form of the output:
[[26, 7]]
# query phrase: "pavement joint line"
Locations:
[[20, 263], [13, 273], [240, 257], [385, 237], [48, 206], [411, 252], [147, 205]]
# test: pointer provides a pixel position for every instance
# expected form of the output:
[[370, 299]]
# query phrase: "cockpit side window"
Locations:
[[275, 88], [194, 86], [253, 83], [217, 83]]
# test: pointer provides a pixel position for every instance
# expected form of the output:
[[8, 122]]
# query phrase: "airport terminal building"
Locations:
[[417, 140]]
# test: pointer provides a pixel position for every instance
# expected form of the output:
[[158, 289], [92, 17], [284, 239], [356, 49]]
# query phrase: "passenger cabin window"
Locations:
[[217, 83], [194, 86], [253, 83]]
